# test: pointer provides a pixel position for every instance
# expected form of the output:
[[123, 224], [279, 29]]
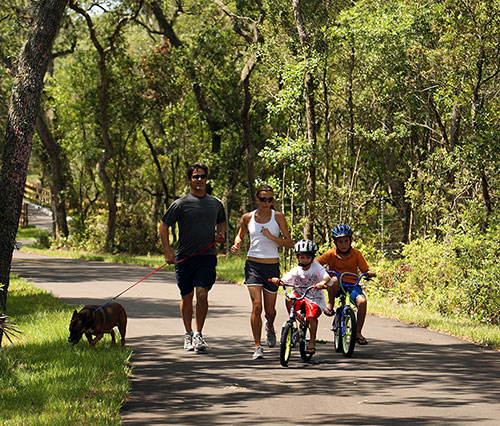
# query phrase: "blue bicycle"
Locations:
[[344, 320]]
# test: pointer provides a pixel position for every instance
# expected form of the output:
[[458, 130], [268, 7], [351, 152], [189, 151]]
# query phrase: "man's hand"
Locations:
[[319, 286], [219, 238], [169, 256]]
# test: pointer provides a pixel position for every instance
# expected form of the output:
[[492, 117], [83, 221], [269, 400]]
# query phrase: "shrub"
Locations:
[[455, 277]]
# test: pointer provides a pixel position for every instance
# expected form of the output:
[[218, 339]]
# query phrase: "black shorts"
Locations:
[[196, 271], [258, 274]]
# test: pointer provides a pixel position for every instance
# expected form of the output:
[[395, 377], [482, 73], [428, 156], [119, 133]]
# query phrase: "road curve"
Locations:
[[405, 375]]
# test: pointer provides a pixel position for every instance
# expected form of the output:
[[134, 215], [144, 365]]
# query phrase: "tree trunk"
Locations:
[[25, 101], [161, 180], [107, 154], [455, 126], [311, 130], [487, 201], [213, 123], [247, 138], [249, 30], [58, 199], [108, 149]]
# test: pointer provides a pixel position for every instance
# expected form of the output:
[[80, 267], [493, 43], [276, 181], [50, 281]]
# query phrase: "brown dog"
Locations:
[[91, 322]]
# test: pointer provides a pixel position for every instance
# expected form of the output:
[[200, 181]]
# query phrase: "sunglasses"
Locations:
[[268, 199], [196, 177]]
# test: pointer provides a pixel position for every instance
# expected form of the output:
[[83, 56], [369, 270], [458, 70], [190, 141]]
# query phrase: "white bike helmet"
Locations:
[[306, 246]]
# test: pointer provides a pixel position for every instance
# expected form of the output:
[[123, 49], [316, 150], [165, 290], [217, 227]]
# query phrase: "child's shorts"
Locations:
[[312, 310], [354, 292]]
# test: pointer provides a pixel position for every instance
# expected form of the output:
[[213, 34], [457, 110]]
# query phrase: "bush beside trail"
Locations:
[[457, 278]]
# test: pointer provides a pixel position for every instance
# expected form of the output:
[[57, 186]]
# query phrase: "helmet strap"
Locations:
[[305, 265]]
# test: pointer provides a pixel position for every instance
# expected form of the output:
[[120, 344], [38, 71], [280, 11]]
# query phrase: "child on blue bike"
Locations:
[[305, 275], [345, 258]]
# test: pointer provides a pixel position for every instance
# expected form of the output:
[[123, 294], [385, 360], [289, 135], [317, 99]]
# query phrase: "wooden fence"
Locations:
[[37, 194], [23, 220]]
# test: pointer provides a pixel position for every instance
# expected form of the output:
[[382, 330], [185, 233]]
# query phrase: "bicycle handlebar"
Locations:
[[340, 277], [292, 296]]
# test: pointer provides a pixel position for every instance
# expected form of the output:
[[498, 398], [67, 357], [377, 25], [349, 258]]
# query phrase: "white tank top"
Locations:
[[261, 246]]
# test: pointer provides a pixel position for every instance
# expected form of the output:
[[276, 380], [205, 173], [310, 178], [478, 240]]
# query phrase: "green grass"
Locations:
[[30, 233], [231, 269], [44, 380]]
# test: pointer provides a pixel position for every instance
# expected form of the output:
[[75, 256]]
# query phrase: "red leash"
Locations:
[[117, 296], [157, 269], [193, 255]]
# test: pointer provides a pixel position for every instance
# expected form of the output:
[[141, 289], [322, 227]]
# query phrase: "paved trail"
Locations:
[[406, 375]]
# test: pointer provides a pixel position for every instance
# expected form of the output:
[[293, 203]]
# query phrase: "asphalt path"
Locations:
[[405, 375]]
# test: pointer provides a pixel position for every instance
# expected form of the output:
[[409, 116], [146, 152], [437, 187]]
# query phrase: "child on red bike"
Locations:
[[305, 275]]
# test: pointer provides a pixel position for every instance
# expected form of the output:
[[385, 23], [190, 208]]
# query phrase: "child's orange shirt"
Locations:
[[352, 263]]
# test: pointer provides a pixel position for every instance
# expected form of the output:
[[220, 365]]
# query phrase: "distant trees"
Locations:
[[376, 113]]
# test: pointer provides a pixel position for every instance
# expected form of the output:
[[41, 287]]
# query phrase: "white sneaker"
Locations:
[[258, 353], [188, 341], [199, 343], [270, 336]]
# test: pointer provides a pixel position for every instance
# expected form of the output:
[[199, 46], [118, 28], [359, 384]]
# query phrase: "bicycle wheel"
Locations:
[[337, 330], [349, 332], [286, 344], [304, 336]]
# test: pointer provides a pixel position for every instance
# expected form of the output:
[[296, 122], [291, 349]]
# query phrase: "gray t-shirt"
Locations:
[[197, 217]]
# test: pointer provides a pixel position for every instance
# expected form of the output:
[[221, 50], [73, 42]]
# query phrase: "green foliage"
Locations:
[[390, 78], [457, 277]]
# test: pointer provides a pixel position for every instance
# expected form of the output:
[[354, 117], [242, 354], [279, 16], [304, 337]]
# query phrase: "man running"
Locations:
[[202, 223]]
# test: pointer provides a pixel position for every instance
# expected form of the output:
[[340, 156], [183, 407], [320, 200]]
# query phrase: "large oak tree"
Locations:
[[24, 104]]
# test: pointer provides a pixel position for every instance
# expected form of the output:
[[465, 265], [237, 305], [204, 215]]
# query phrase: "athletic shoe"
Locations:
[[199, 343], [188, 341], [270, 336], [258, 353]]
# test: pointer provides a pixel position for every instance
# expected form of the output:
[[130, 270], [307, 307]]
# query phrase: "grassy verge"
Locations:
[[30, 233], [483, 334], [231, 269], [46, 381], [150, 260]]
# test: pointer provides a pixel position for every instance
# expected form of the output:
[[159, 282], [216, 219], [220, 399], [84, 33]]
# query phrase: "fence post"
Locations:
[[227, 227], [382, 224]]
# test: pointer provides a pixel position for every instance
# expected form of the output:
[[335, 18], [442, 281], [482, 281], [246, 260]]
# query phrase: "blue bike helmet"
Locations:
[[341, 231]]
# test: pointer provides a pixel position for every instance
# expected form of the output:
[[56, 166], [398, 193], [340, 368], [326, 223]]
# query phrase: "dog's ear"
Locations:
[[74, 314]]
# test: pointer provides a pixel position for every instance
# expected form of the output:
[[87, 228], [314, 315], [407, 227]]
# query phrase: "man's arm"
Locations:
[[165, 240], [220, 230]]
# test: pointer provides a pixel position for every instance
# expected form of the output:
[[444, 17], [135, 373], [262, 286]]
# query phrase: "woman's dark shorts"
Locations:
[[197, 271], [258, 274]]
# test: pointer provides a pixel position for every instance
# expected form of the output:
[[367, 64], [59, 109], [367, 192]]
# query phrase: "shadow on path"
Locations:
[[174, 383]]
